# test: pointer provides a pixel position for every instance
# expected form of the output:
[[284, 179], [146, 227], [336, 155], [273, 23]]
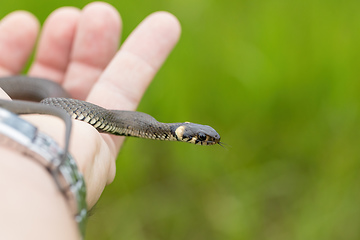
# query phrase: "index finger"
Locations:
[[126, 78]]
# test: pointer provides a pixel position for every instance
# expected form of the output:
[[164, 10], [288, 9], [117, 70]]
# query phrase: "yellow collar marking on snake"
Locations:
[[180, 132]]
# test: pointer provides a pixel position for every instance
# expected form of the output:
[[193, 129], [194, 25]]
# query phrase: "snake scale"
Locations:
[[124, 123]]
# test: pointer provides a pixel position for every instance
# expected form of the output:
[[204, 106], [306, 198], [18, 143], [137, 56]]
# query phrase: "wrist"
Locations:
[[31, 200], [25, 138]]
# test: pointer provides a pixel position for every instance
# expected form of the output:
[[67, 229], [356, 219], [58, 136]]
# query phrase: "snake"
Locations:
[[36, 95]]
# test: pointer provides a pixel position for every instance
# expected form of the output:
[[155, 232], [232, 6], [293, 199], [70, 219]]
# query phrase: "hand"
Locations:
[[78, 49]]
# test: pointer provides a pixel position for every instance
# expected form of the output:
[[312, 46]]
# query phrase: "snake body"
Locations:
[[124, 123]]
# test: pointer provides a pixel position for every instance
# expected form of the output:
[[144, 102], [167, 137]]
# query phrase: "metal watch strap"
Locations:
[[25, 137]]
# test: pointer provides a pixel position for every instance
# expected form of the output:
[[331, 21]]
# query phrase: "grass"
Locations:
[[280, 82]]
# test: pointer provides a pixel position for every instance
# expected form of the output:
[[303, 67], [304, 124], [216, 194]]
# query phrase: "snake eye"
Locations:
[[201, 137]]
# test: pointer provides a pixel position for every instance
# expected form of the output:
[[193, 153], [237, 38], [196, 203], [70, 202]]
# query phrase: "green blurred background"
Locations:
[[280, 81]]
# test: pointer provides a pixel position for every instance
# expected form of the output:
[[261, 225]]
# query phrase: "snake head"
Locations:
[[197, 134]]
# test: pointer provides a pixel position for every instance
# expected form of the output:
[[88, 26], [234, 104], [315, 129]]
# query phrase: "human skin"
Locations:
[[79, 50]]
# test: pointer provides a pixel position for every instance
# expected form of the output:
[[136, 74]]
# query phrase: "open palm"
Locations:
[[78, 49]]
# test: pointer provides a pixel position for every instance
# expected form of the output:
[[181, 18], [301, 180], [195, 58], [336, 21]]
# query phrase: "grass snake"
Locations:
[[54, 100]]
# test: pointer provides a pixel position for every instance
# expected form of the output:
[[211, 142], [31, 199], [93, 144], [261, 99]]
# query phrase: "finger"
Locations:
[[96, 42], [53, 52], [124, 81], [18, 32]]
